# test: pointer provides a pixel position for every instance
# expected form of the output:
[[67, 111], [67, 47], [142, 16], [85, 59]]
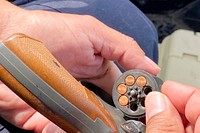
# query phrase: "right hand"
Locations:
[[177, 110]]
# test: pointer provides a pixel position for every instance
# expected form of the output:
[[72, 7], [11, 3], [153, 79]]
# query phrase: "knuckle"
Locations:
[[128, 38], [163, 124], [89, 18]]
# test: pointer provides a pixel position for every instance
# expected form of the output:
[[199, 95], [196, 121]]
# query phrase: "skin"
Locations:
[[69, 37], [175, 110], [93, 44], [82, 44]]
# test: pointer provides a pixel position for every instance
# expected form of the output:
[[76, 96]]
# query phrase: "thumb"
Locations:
[[161, 115]]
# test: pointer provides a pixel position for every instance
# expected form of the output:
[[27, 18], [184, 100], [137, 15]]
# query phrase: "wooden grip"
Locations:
[[34, 54]]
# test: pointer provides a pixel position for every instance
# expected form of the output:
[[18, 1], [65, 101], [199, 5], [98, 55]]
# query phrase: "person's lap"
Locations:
[[121, 15]]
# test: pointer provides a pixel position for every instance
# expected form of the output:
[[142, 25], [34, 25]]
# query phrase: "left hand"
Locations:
[[82, 44]]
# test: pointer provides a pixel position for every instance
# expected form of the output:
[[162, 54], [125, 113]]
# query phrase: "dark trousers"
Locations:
[[121, 15]]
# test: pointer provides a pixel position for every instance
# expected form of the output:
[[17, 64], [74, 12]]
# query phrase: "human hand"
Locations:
[[82, 44], [177, 110], [20, 114]]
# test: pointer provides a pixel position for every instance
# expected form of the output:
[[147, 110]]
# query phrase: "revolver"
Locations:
[[34, 74]]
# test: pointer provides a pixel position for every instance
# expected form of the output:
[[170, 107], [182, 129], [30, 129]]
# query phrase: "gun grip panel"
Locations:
[[34, 54]]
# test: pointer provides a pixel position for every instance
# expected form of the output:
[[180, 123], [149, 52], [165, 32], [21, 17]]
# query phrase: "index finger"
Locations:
[[185, 98], [116, 46]]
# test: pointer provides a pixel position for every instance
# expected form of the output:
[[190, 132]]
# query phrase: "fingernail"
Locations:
[[153, 64], [155, 103]]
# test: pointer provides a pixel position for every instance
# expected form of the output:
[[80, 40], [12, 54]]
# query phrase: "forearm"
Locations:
[[11, 18]]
